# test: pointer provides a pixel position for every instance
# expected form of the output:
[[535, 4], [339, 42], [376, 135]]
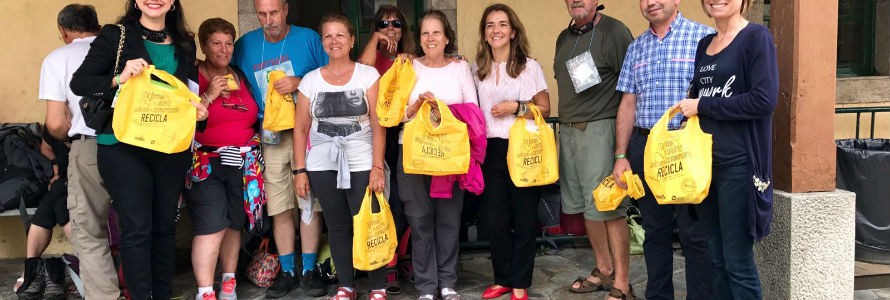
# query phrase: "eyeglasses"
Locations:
[[239, 107], [235, 107], [383, 24]]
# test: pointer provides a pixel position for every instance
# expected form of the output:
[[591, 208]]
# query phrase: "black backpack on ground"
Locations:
[[24, 172]]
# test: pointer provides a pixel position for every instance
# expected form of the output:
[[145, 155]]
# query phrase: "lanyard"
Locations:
[[280, 52], [592, 31]]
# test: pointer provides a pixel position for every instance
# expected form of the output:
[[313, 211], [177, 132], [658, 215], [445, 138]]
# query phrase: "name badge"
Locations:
[[583, 72], [271, 137]]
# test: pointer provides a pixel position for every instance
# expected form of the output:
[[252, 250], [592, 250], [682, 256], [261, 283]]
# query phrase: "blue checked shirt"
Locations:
[[659, 71]]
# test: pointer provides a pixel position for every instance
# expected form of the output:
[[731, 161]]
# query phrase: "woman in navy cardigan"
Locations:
[[736, 87]]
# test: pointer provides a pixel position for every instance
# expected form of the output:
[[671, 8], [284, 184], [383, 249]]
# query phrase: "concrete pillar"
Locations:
[[810, 251], [247, 19], [805, 32]]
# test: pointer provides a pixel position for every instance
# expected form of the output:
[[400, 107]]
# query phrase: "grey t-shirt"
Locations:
[[610, 41]]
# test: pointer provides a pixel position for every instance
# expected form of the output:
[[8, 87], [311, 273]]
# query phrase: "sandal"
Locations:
[[586, 286], [343, 294], [377, 295], [618, 294]]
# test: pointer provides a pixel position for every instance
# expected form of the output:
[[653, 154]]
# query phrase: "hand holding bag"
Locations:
[[435, 150], [279, 110], [155, 115], [677, 163], [532, 159], [395, 86], [96, 108], [374, 241]]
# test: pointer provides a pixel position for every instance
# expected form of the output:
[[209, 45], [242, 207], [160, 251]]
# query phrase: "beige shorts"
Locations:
[[278, 177]]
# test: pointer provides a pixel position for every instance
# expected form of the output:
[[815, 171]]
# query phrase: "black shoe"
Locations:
[[312, 285], [284, 283], [54, 280], [35, 277]]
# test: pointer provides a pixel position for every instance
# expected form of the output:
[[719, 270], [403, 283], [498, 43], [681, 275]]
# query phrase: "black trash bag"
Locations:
[[863, 167]]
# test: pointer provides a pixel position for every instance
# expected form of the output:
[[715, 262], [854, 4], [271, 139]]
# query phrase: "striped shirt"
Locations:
[[658, 72]]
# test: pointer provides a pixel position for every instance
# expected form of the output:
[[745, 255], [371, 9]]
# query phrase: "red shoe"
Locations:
[[524, 297], [494, 292]]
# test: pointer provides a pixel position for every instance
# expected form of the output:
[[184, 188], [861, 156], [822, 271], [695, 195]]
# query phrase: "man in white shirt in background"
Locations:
[[88, 201]]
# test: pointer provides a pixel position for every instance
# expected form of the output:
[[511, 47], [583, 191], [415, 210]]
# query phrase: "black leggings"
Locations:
[[53, 208], [338, 207], [145, 186]]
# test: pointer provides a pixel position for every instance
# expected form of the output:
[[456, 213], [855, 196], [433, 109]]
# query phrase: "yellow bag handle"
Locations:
[[692, 123], [172, 81], [444, 114], [366, 205]]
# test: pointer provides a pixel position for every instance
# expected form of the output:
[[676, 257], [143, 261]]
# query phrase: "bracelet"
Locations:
[[379, 167], [300, 170], [620, 156], [518, 108], [117, 78], [53, 162]]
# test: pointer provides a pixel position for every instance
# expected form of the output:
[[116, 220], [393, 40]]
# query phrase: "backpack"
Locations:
[[24, 172]]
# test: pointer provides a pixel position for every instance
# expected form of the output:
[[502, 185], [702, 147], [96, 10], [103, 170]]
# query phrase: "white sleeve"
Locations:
[[53, 86]]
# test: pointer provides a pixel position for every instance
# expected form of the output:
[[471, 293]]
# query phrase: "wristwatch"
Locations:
[[300, 170]]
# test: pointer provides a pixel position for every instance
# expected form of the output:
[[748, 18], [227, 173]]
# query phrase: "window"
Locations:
[[855, 37]]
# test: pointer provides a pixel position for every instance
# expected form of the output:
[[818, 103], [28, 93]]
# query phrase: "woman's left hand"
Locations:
[[688, 107], [375, 179], [504, 108], [202, 112]]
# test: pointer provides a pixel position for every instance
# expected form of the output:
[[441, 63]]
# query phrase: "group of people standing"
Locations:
[[612, 89]]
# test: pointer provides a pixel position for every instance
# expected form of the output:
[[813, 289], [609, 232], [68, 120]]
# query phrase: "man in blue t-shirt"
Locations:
[[655, 75], [296, 51]]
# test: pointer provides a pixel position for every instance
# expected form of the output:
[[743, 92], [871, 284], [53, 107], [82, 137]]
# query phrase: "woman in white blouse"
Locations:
[[435, 222], [508, 83]]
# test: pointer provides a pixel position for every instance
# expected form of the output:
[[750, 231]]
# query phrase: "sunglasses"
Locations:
[[239, 107], [382, 24]]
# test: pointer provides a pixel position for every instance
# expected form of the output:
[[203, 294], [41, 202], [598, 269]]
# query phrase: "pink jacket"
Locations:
[[473, 181]]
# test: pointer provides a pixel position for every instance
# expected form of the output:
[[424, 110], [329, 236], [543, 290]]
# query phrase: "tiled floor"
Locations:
[[553, 273]]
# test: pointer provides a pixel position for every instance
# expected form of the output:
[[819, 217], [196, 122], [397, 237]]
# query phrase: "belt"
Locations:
[[82, 137], [641, 131], [576, 125]]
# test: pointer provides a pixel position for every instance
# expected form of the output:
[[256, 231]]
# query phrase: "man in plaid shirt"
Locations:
[[656, 73]]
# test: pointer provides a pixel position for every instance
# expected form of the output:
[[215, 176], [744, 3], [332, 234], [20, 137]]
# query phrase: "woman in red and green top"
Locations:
[[225, 164]]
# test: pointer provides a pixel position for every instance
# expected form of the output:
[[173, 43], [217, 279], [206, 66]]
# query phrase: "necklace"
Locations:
[[154, 36], [338, 76], [211, 75]]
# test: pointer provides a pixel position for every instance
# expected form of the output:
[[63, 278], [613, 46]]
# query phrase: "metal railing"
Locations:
[[859, 111]]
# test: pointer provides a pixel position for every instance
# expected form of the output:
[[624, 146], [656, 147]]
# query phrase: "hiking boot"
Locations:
[[35, 277], [54, 280], [284, 283], [227, 289], [312, 285]]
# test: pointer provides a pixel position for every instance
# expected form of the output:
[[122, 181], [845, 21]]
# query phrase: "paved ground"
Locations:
[[553, 272]]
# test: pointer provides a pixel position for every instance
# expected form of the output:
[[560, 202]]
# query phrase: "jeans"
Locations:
[[730, 244], [658, 221]]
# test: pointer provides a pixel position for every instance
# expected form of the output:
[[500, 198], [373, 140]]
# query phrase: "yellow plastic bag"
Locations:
[[678, 162], [430, 150], [607, 196], [280, 109], [374, 239], [531, 154], [395, 86], [155, 115]]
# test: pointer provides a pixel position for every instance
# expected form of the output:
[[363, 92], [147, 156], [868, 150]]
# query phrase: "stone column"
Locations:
[[810, 252], [247, 19]]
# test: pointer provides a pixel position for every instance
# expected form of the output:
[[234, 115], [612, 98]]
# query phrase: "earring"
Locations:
[[135, 5], [173, 7]]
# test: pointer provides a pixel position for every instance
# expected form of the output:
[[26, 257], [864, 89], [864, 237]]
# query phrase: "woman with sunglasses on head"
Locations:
[[509, 83], [145, 184], [391, 40], [225, 162]]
